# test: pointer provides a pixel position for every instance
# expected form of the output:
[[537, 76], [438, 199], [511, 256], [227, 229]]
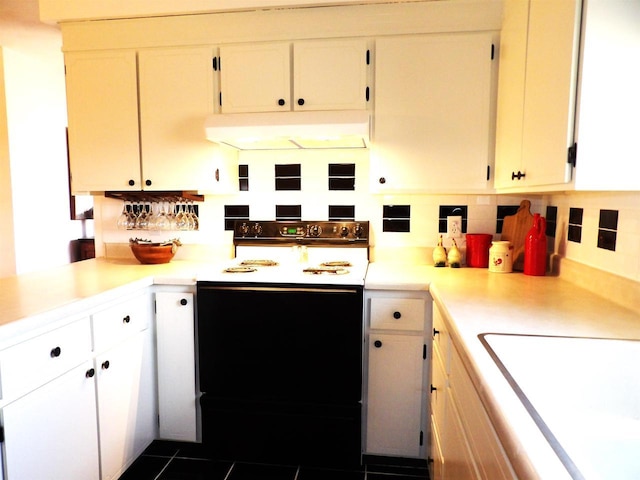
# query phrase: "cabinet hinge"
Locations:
[[220, 98], [421, 437], [572, 154], [488, 172], [368, 57], [1, 434], [424, 351], [215, 63], [366, 94], [493, 51]]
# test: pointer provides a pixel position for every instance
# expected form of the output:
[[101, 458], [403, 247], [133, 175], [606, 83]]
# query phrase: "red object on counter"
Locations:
[[535, 247], [478, 245]]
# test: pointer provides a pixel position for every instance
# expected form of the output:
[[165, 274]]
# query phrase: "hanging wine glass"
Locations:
[[142, 219], [182, 220], [162, 221], [194, 220], [126, 220]]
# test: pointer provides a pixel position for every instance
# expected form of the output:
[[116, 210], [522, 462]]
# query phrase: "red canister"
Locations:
[[478, 245]]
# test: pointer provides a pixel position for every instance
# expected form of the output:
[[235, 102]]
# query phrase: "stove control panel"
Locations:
[[328, 232]]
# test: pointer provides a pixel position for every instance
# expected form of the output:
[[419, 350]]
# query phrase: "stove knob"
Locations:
[[315, 230], [344, 232], [358, 231], [244, 229], [256, 229]]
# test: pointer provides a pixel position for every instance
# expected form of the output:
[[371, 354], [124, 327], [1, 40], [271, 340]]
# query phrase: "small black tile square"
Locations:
[[342, 212], [397, 225], [288, 212], [288, 170], [452, 210], [243, 171], [574, 234], [241, 211], [190, 469], [255, 471], [342, 169], [339, 183], [608, 219], [551, 214], [243, 184], [607, 239], [145, 468], [396, 211], [286, 183], [575, 216]]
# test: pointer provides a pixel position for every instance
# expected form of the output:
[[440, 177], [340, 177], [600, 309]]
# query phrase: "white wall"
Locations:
[[35, 144]]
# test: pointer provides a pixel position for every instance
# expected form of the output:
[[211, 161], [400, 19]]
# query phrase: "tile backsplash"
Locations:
[[403, 227]]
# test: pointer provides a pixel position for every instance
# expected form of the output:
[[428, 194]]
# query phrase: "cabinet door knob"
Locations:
[[147, 182], [126, 319], [105, 365], [183, 301], [397, 315], [518, 175], [55, 352], [132, 183], [382, 180], [301, 101], [281, 102], [377, 344], [90, 373]]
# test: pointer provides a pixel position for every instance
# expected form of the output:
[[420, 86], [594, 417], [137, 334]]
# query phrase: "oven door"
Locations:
[[281, 343]]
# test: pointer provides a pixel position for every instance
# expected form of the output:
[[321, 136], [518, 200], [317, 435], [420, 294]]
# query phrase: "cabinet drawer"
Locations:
[[398, 313], [30, 364], [120, 321]]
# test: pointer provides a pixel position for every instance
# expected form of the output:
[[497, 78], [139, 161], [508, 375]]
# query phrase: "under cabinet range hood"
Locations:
[[290, 130]]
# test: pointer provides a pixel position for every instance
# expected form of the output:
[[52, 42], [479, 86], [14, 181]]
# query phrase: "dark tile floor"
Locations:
[[187, 461]]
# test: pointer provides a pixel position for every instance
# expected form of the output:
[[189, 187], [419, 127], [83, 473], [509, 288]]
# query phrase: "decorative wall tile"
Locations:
[[574, 233], [607, 229], [233, 213], [243, 178], [342, 176], [288, 177], [288, 212], [396, 218], [342, 212], [503, 211], [551, 217], [451, 210]]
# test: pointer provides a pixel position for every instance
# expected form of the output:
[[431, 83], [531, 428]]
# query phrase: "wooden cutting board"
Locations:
[[515, 228]]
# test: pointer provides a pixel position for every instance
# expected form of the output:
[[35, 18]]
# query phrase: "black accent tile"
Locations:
[[183, 469], [243, 171], [287, 177], [145, 468], [449, 211], [311, 473], [288, 212], [503, 211], [342, 183], [233, 213], [551, 216], [608, 219], [575, 216], [574, 233], [255, 471], [342, 169], [607, 239], [396, 211], [288, 170], [342, 212], [398, 225], [288, 184], [243, 178]]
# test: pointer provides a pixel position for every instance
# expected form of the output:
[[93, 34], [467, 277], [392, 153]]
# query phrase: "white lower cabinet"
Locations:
[[51, 433], [464, 443], [175, 338], [396, 408]]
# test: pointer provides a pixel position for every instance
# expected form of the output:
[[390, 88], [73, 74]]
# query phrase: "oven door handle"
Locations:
[[281, 289]]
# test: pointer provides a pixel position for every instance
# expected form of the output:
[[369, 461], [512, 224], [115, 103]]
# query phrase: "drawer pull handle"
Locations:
[[435, 332], [105, 365], [90, 373], [397, 315], [55, 352], [377, 344], [126, 319], [433, 389], [183, 301]]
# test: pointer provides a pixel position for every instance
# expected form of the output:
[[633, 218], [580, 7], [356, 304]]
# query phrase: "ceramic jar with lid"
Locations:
[[501, 257]]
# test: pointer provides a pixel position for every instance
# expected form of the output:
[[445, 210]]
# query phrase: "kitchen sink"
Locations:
[[584, 395]]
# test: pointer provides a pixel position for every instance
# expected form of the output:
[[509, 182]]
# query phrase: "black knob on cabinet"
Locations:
[[183, 301], [105, 365], [147, 182], [382, 180], [518, 175], [90, 373], [126, 319], [377, 344], [301, 101], [281, 102], [435, 332], [55, 352], [132, 183], [432, 388], [397, 315]]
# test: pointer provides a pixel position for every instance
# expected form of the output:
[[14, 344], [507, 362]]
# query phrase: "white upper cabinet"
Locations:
[[537, 93], [327, 75], [608, 121], [136, 120], [433, 122], [102, 105]]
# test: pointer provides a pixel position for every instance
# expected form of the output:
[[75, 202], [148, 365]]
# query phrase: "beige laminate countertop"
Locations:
[[475, 301]]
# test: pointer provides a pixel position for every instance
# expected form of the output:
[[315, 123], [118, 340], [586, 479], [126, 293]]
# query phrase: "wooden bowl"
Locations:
[[150, 253]]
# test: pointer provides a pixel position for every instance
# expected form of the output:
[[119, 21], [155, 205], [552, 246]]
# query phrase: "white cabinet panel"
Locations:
[[398, 313]]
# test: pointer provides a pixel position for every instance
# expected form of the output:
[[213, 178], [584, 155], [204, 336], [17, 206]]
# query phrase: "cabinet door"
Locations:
[[394, 397], [176, 365], [433, 118], [102, 104], [176, 94], [127, 413], [52, 432], [330, 75], [255, 78]]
